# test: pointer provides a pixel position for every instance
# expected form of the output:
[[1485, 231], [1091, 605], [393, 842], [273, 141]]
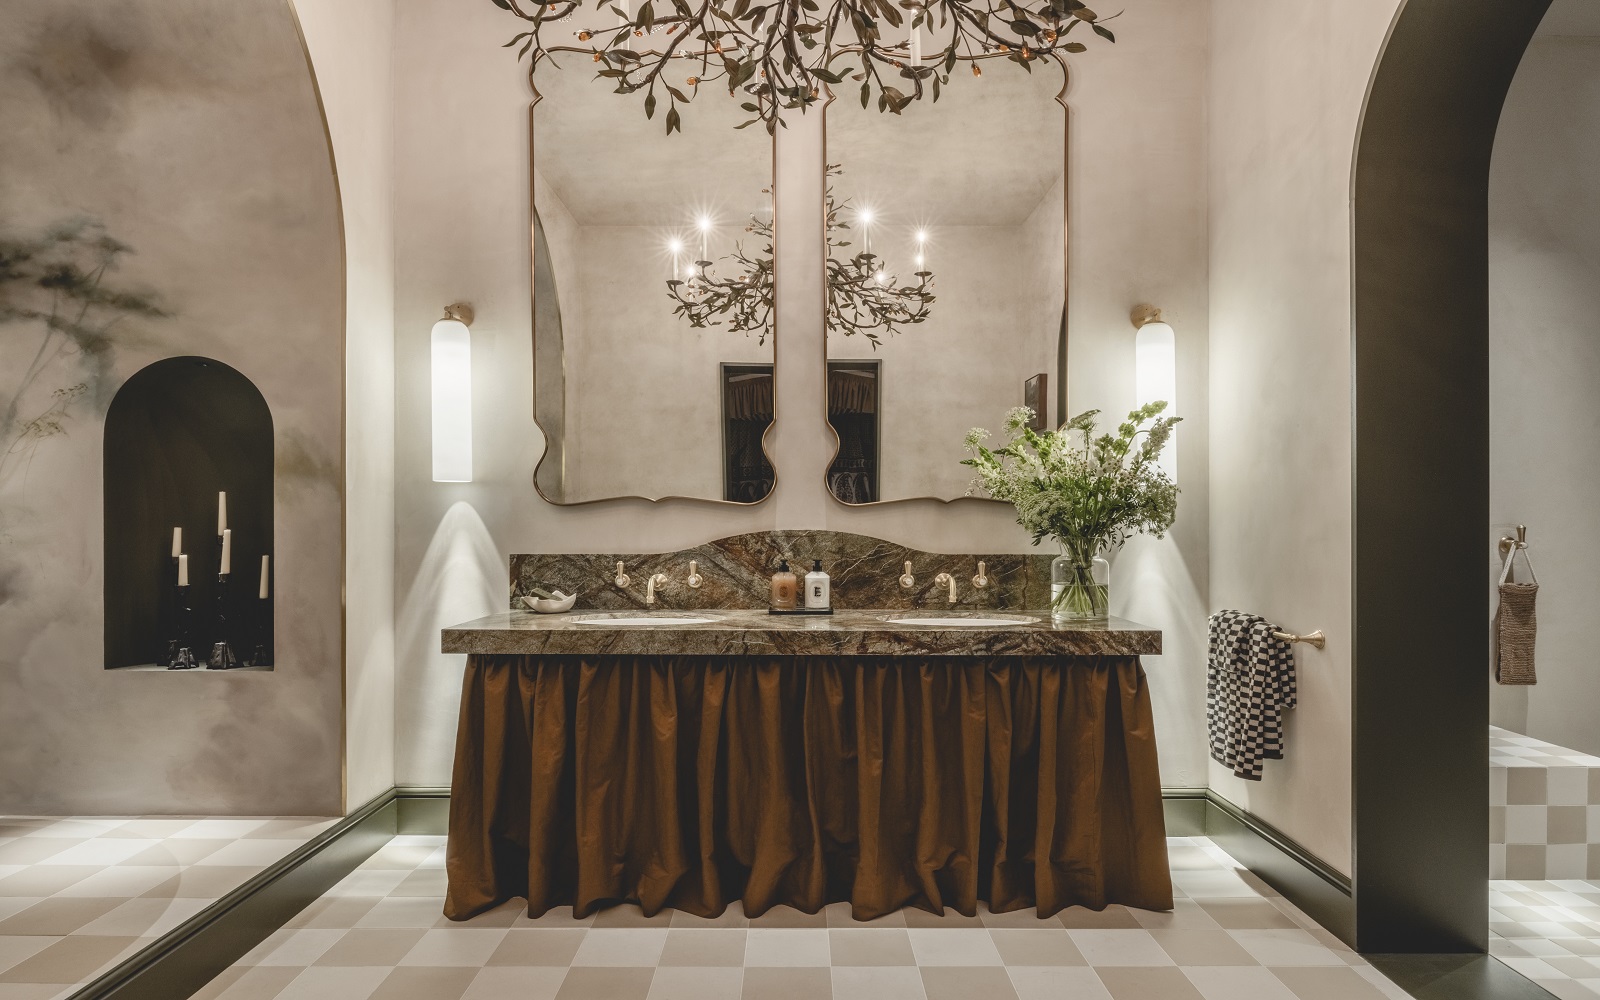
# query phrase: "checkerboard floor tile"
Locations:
[[80, 894], [380, 935], [1508, 749], [1549, 931]]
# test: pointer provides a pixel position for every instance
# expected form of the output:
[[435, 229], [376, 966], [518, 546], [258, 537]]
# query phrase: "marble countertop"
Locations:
[[756, 633]]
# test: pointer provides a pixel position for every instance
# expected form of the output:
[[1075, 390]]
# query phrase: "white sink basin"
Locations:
[[960, 621], [644, 619]]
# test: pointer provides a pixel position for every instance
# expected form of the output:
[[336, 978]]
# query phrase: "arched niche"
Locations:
[[179, 432]]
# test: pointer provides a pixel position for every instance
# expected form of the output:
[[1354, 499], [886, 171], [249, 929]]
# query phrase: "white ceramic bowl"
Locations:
[[551, 607]]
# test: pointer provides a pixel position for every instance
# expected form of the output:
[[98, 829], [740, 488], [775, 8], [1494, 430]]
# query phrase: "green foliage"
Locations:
[[1077, 487], [780, 54]]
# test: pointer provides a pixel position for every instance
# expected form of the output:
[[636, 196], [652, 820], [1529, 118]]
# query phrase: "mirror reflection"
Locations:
[[946, 263], [652, 292]]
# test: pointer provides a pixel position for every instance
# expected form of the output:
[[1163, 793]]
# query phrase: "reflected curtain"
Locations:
[[747, 413]]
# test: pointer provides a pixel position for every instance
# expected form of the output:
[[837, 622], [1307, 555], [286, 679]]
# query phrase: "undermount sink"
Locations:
[[641, 619], [959, 621]]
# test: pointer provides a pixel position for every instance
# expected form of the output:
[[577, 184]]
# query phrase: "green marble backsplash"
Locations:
[[737, 572]]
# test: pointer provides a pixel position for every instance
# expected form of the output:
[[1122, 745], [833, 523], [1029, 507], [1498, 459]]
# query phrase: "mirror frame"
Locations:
[[1064, 337], [533, 331]]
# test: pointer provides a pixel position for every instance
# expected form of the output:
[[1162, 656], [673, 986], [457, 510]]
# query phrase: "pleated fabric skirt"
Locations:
[[885, 782]]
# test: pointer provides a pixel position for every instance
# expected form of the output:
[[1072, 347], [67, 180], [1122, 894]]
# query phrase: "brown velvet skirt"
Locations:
[[687, 782]]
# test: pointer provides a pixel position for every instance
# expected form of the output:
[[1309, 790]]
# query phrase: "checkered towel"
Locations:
[[1249, 682]]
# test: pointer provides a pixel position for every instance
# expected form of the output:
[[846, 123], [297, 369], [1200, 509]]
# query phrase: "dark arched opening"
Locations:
[[178, 433], [1421, 476]]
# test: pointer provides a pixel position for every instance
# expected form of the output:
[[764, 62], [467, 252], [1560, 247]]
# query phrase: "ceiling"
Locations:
[[985, 154], [612, 166]]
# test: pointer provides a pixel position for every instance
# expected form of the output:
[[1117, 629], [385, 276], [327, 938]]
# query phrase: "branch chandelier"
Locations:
[[863, 297], [778, 55]]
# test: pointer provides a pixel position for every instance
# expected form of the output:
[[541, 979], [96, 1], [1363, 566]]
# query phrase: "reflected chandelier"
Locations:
[[862, 296], [780, 54]]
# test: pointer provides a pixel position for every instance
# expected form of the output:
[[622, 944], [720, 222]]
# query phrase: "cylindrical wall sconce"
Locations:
[[452, 396], [1156, 372]]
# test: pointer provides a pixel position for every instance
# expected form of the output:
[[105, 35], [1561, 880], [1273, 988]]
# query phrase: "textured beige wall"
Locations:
[[1288, 78], [351, 46], [190, 129], [461, 232], [1544, 356]]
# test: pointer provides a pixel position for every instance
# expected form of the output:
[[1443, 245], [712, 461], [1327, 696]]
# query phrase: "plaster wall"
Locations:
[[351, 46], [1544, 356], [189, 130], [1138, 195], [1287, 83]]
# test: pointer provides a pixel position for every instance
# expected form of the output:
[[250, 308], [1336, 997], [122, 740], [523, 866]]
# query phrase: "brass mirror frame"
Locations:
[[533, 332], [1066, 276]]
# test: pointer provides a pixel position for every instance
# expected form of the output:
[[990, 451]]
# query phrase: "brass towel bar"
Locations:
[[1318, 638]]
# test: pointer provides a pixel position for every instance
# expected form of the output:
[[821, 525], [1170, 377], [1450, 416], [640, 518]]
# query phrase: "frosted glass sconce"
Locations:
[[452, 396], [1156, 372]]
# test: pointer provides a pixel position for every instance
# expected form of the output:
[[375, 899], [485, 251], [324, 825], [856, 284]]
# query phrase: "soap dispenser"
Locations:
[[818, 588], [785, 588]]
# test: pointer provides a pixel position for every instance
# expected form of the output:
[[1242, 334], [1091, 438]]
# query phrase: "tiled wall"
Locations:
[[1544, 815]]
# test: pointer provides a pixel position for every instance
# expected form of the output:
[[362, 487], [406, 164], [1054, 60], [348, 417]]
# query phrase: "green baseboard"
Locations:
[[185, 959], [1301, 877], [423, 810], [1185, 810]]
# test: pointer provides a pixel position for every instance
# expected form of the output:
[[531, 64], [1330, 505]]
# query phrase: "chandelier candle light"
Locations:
[[862, 297]]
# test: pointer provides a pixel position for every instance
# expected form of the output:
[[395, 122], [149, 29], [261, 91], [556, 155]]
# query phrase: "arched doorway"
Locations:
[[1421, 473]]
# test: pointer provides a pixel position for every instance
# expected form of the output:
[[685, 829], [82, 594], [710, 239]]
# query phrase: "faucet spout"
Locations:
[[946, 580], [659, 580]]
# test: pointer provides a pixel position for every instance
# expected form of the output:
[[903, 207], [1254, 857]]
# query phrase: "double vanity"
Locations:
[[681, 754]]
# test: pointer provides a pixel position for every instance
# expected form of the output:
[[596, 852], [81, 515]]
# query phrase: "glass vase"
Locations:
[[1080, 583]]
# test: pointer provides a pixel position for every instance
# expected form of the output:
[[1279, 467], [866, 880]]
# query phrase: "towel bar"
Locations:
[[1318, 638]]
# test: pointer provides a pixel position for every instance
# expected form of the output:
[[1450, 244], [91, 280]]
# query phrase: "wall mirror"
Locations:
[[946, 236], [652, 295]]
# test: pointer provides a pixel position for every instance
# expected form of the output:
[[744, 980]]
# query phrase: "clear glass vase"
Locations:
[[1080, 583]]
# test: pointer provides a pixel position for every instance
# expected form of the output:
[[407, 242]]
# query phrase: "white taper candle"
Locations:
[[222, 512], [183, 569], [177, 542], [264, 563], [227, 552]]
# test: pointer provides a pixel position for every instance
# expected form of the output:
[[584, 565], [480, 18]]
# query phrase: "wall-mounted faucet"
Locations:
[[659, 580], [981, 581], [623, 580], [695, 579], [946, 580]]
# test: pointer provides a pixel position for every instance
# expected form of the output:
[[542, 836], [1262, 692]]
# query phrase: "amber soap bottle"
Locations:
[[785, 588]]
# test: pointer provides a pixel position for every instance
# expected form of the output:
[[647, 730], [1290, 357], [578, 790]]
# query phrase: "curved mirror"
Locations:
[[652, 287], [946, 265]]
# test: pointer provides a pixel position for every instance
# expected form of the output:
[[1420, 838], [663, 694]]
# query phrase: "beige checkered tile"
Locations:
[[1223, 941]]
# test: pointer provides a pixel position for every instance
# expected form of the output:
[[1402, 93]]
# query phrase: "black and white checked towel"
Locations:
[[1249, 682]]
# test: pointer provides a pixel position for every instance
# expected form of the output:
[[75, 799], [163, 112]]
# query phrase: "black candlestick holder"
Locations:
[[222, 655], [179, 655], [258, 656]]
